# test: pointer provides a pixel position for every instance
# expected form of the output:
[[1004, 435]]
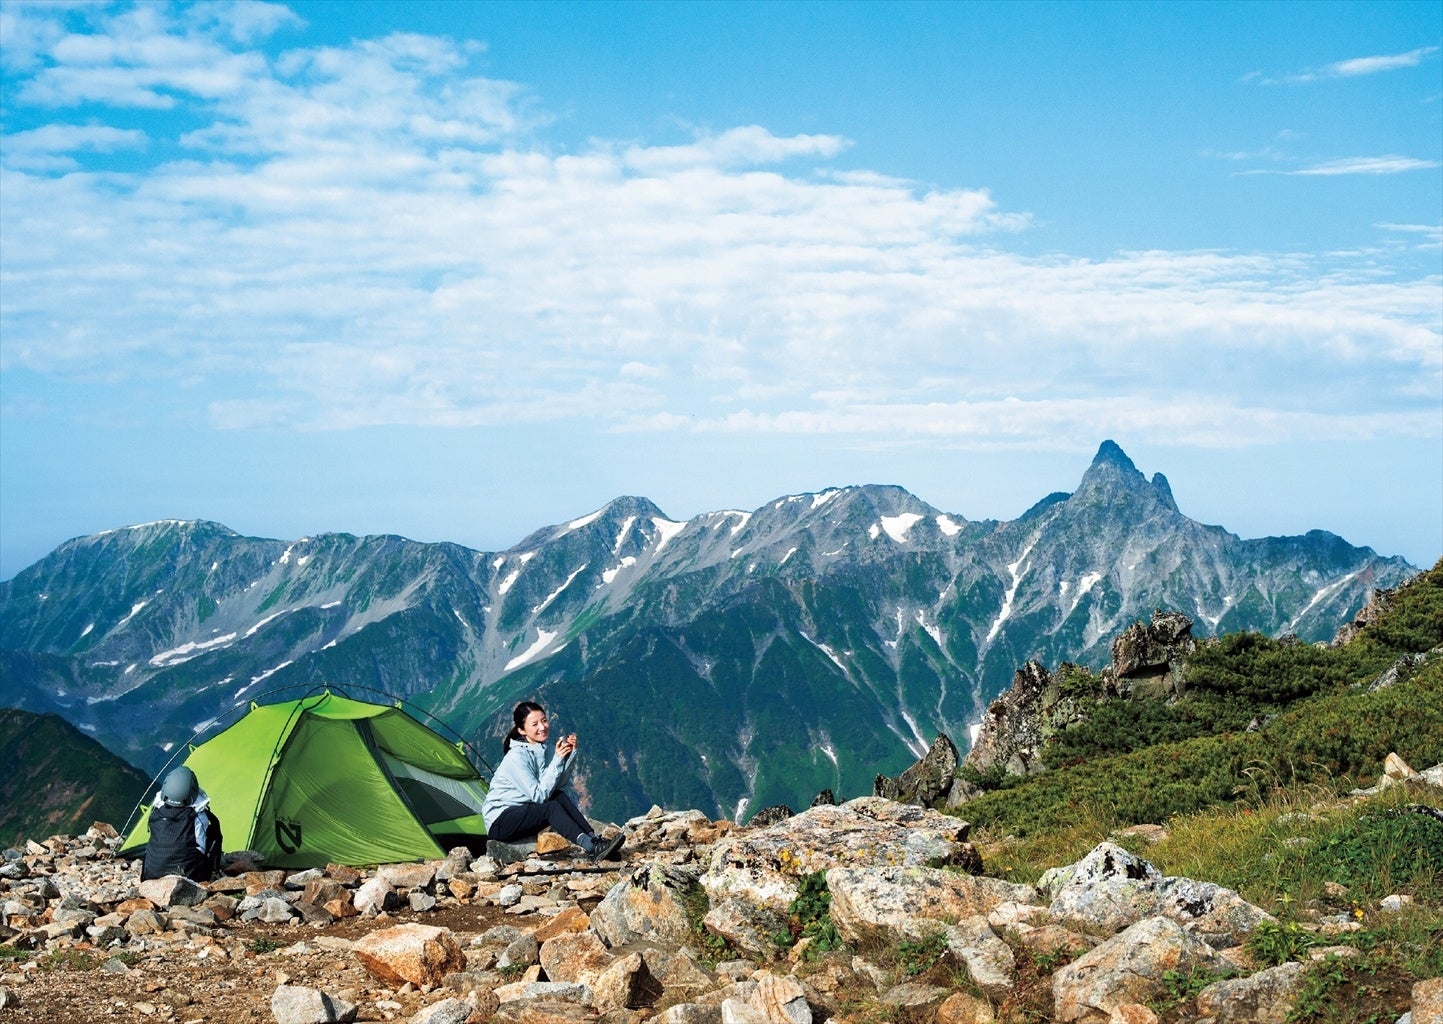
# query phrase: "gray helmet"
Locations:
[[180, 787]]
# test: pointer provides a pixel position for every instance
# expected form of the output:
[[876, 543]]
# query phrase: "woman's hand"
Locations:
[[566, 745]]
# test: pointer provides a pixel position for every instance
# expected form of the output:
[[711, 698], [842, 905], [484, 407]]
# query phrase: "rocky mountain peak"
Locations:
[[1113, 477]]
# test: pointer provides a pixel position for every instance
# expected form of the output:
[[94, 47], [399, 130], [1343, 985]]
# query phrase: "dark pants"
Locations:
[[525, 820]]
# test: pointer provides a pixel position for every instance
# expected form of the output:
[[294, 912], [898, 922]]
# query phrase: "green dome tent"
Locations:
[[328, 779]]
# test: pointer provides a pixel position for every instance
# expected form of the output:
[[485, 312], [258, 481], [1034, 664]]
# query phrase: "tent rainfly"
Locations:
[[328, 779]]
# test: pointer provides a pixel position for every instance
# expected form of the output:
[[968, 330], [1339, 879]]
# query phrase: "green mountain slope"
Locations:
[[1263, 712], [56, 780]]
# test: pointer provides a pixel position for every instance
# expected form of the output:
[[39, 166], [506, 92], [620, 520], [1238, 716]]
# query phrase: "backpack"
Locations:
[[172, 849]]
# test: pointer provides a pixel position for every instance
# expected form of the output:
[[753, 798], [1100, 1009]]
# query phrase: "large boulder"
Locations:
[[577, 957], [764, 866], [295, 1004], [1111, 889], [892, 904], [418, 953], [1130, 967], [1266, 997], [649, 906]]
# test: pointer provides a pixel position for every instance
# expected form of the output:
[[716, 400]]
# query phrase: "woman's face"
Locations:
[[536, 727]]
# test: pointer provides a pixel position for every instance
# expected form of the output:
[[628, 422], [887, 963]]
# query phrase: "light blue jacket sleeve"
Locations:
[[524, 776]]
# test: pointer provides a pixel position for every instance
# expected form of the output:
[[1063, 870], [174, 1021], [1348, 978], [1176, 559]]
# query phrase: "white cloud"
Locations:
[[1388, 62], [1390, 164], [1352, 68], [368, 235], [1375, 165]]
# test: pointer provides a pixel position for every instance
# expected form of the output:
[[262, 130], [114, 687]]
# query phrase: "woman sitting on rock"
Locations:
[[528, 793]]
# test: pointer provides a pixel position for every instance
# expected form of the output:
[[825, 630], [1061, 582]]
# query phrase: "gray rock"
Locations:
[[173, 890], [689, 1013], [650, 906], [926, 782], [293, 1004], [274, 911], [914, 995], [989, 961], [895, 903], [1130, 967], [523, 951], [1111, 889], [1266, 997], [745, 925], [420, 901], [447, 1011], [376, 895]]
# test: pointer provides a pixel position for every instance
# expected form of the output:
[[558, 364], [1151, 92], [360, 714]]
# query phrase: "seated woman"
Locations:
[[527, 793]]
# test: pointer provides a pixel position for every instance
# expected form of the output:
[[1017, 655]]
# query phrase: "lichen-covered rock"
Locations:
[[764, 866], [1147, 658], [1266, 997], [927, 781], [1130, 967], [989, 961], [1110, 889], [648, 906], [1428, 1002], [745, 925], [896, 903]]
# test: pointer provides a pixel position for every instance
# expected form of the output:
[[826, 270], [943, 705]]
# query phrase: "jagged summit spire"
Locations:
[[1111, 453], [1113, 472], [1111, 468]]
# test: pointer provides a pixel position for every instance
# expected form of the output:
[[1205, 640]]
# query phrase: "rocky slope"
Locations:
[[707, 923], [729, 662]]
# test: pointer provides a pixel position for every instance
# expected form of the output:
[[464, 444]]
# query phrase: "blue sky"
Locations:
[[458, 271]]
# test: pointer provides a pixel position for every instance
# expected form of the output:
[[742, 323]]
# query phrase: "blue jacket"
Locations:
[[523, 777]]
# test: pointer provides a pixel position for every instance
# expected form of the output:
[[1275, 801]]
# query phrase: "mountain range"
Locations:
[[728, 662]]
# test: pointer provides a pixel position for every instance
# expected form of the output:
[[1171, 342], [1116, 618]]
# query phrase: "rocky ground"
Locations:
[[702, 923]]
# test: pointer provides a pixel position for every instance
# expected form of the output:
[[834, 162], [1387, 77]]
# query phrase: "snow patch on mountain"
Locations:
[[1323, 592], [558, 591], [185, 652], [827, 651], [930, 629], [609, 575], [543, 641], [577, 524], [1017, 572], [897, 526], [818, 500], [948, 525], [666, 530], [621, 535]]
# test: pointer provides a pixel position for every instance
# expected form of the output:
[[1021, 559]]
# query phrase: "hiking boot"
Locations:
[[605, 849]]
